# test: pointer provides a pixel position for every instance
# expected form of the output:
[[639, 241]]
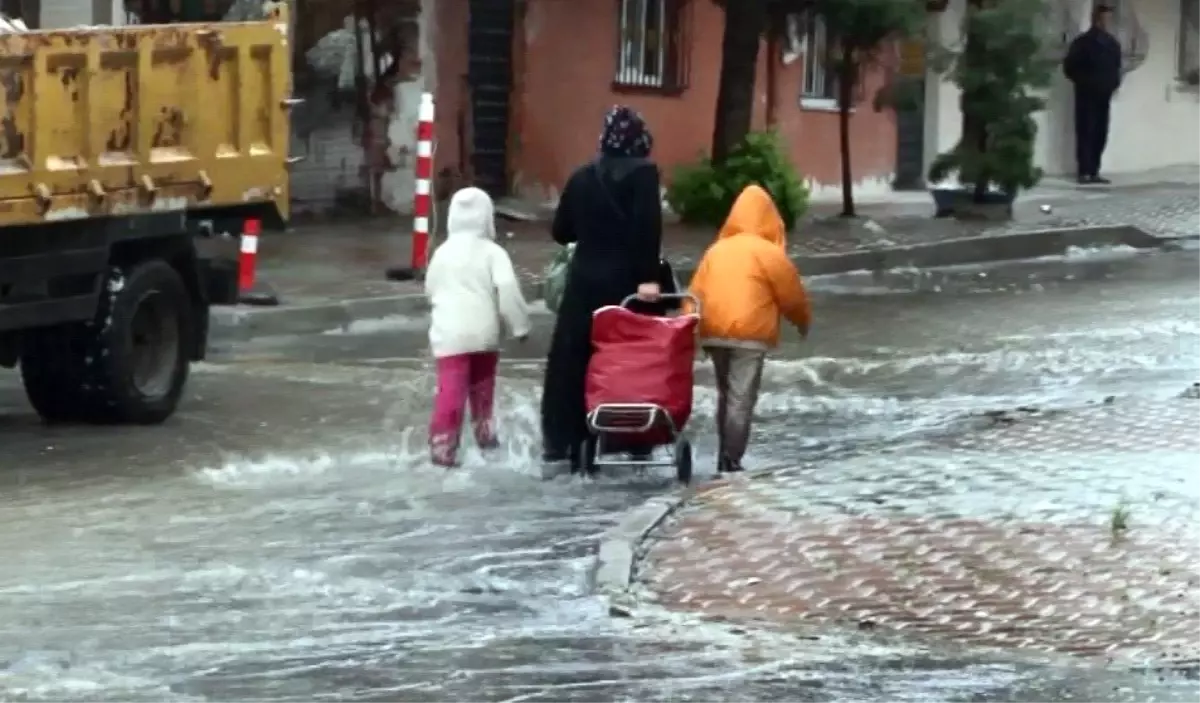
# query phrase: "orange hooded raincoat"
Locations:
[[746, 281]]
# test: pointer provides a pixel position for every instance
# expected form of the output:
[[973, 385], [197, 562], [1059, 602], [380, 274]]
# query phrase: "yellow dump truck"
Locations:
[[121, 149]]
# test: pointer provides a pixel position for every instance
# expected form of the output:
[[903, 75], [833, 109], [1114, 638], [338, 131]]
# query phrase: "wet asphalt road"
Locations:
[[284, 539]]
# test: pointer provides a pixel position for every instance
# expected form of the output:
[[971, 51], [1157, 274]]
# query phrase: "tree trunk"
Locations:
[[974, 125], [982, 180], [772, 78], [969, 50], [847, 82], [745, 21]]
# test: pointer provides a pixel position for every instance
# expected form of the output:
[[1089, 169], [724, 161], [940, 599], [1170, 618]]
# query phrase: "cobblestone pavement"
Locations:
[[317, 262], [1068, 532], [1168, 211], [343, 260], [336, 261]]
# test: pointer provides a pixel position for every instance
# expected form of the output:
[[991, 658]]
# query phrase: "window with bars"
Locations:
[[651, 45], [820, 83]]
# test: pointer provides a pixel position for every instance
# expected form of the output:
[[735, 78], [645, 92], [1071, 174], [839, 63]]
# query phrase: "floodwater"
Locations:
[[284, 539]]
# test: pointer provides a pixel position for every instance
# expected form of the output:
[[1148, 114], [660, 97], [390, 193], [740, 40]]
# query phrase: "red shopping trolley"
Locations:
[[639, 387]]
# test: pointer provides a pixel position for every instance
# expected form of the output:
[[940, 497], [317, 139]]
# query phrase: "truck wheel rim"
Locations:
[[155, 345]]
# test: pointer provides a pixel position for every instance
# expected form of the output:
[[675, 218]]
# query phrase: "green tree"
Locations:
[[857, 32], [1001, 65], [702, 192]]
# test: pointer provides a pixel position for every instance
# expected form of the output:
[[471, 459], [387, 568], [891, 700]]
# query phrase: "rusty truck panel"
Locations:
[[123, 120]]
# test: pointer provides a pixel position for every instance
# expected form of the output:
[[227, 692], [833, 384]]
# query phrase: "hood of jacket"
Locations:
[[755, 213], [472, 214]]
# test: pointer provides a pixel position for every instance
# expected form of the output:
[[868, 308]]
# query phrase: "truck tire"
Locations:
[[52, 365], [129, 365]]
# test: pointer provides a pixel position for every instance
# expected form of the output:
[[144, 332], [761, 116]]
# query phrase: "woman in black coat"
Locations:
[[611, 209]]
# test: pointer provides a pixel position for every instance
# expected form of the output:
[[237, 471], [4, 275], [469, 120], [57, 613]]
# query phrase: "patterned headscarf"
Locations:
[[625, 134]]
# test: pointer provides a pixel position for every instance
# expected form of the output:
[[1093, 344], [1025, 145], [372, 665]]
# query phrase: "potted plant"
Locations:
[[999, 68]]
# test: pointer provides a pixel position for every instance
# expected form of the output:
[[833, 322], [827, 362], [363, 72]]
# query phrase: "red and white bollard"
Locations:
[[422, 196], [249, 292], [248, 258]]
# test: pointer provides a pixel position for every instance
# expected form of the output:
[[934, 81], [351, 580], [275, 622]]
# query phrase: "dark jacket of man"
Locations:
[[1093, 63]]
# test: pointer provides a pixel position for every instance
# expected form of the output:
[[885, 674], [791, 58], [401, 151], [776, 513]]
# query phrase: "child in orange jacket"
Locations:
[[745, 282]]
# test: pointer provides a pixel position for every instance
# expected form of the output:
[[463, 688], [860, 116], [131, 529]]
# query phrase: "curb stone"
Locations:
[[235, 324], [974, 250], [240, 324], [615, 558], [614, 573]]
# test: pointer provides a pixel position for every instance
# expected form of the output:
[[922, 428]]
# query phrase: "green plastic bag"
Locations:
[[554, 279]]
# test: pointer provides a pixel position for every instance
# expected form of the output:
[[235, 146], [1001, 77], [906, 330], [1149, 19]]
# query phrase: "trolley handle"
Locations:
[[666, 296]]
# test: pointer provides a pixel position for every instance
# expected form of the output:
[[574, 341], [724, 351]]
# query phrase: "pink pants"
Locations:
[[462, 380]]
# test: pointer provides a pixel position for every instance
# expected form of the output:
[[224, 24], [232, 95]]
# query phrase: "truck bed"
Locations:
[[104, 121]]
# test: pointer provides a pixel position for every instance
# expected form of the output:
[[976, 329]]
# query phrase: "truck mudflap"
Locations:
[[219, 276]]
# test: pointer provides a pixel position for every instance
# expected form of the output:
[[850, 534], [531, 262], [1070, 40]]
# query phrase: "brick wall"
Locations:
[[566, 85]]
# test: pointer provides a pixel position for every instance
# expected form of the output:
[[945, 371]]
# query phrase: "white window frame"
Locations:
[[819, 88], [639, 65]]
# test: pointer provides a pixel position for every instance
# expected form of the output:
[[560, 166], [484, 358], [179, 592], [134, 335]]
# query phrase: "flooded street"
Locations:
[[284, 537]]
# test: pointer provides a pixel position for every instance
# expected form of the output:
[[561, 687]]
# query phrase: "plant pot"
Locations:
[[960, 203]]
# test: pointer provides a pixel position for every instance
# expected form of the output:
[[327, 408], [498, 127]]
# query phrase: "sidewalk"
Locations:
[[313, 264], [1168, 209], [346, 260], [328, 273], [1071, 533]]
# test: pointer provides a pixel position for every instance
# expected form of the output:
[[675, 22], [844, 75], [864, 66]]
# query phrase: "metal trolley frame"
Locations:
[[606, 422]]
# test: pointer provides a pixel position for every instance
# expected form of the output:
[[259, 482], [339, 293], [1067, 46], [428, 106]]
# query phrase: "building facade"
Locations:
[[522, 87], [520, 90], [1155, 114]]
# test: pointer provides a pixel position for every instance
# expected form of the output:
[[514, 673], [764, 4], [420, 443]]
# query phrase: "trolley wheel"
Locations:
[[587, 456], [683, 461]]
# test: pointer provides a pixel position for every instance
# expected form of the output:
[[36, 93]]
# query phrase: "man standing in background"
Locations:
[[1093, 64]]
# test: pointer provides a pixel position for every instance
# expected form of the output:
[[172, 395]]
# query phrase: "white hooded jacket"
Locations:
[[470, 282]]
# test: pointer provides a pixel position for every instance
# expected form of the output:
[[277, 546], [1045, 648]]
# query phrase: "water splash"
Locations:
[[397, 449], [57, 677]]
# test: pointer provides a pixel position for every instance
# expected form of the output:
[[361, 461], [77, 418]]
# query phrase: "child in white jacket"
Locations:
[[473, 290]]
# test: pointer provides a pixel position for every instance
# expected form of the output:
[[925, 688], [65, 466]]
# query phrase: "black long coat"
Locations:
[[611, 209]]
